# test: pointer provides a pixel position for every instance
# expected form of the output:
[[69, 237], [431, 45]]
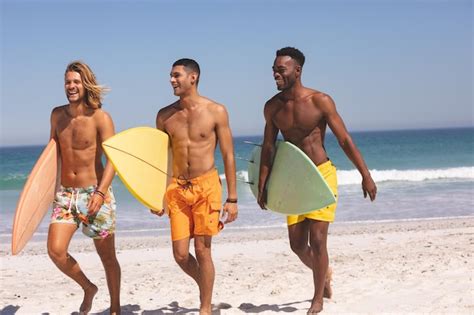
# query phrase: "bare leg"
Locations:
[[59, 237], [312, 255], [318, 242], [202, 245], [106, 250], [327, 284], [299, 237], [184, 259]]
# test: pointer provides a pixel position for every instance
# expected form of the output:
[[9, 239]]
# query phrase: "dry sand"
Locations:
[[421, 266]]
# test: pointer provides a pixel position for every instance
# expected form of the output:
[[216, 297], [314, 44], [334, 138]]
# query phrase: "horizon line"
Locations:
[[328, 133]]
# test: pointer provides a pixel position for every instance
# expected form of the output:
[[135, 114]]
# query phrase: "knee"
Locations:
[[181, 257], [318, 243], [298, 247], [203, 253], [56, 254]]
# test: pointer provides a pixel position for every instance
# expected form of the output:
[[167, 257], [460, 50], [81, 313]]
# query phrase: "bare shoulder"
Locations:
[[101, 115], [272, 105], [167, 111], [320, 99], [274, 101], [58, 110], [213, 106], [57, 114]]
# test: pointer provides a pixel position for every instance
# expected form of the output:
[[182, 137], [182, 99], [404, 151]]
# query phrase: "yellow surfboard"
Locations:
[[142, 159]]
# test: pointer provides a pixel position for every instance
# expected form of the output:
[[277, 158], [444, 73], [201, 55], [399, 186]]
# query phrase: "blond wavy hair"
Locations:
[[94, 91]]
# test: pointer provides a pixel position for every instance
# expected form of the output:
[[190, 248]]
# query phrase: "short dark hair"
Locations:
[[190, 64], [293, 53]]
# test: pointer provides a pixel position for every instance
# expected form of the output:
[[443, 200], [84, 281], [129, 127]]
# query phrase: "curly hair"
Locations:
[[94, 92], [293, 53]]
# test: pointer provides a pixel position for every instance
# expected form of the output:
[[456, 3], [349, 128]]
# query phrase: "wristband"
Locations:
[[230, 200], [99, 193], [157, 211]]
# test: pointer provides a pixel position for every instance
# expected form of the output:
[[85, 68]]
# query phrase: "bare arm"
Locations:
[[266, 158], [337, 126], [53, 136], [159, 122], [106, 130], [53, 118], [224, 136], [160, 126]]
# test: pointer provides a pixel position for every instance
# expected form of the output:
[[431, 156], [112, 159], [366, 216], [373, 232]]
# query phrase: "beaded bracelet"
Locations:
[[230, 200]]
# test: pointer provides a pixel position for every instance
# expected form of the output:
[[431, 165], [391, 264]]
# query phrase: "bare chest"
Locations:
[[77, 133], [297, 116], [191, 127]]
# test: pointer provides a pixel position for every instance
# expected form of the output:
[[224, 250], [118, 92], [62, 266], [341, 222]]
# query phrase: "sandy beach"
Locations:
[[418, 266]]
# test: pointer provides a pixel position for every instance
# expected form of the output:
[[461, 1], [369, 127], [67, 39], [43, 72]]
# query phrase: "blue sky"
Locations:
[[387, 64]]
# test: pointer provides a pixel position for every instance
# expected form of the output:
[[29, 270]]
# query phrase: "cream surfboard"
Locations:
[[295, 185], [142, 159], [36, 198]]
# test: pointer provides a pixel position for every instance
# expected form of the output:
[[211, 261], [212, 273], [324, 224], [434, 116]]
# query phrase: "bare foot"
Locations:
[[115, 310], [327, 284], [89, 294], [205, 310], [316, 307]]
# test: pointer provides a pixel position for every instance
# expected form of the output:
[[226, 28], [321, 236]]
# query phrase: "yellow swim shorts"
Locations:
[[327, 214]]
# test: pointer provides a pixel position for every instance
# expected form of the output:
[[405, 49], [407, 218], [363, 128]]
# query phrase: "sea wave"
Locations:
[[12, 181], [353, 177], [344, 177]]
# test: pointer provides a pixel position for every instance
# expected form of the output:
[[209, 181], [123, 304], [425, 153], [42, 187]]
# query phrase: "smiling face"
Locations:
[[75, 91], [182, 80], [286, 72]]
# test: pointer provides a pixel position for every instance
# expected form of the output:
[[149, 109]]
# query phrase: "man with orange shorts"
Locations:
[[302, 115], [195, 125]]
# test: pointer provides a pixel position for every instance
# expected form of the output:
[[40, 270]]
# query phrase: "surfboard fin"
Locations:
[[252, 143], [244, 159]]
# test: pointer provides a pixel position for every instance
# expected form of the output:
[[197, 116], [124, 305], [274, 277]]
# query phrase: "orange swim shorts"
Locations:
[[194, 205], [327, 214]]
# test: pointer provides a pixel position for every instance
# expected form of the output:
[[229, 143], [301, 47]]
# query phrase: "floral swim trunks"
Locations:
[[70, 206]]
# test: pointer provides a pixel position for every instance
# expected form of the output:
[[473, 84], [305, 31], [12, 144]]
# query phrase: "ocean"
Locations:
[[419, 174]]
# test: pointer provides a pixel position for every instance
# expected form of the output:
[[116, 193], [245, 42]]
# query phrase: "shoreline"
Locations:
[[163, 232], [416, 266]]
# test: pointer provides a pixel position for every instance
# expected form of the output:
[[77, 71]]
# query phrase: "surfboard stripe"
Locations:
[[137, 157]]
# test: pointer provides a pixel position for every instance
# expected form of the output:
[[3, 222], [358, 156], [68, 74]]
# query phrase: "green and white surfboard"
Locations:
[[295, 185]]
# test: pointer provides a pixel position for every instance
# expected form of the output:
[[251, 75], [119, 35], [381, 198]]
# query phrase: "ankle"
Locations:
[[88, 287]]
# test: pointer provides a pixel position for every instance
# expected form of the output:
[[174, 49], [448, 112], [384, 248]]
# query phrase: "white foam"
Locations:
[[353, 177], [241, 176], [14, 176]]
